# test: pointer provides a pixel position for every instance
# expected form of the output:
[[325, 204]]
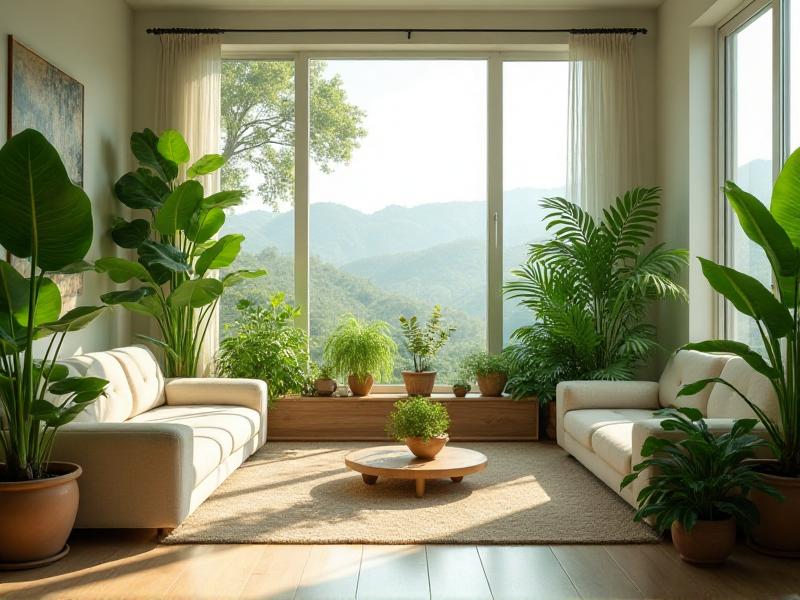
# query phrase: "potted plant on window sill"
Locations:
[[491, 371], [421, 424], [700, 486], [423, 343], [48, 222], [777, 231], [324, 382], [361, 352]]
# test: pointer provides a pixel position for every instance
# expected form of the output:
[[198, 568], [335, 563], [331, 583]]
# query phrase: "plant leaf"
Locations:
[[179, 207], [173, 147], [751, 357], [122, 270], [130, 234], [75, 319], [241, 275], [784, 205], [195, 293], [164, 255], [205, 165], [221, 254], [144, 146], [224, 199], [205, 225], [141, 189]]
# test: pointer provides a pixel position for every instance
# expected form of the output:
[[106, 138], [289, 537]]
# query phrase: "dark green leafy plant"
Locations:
[[361, 349], [417, 417], [589, 288], [177, 252], [777, 231], [700, 476], [265, 344], [48, 221], [425, 342], [483, 363]]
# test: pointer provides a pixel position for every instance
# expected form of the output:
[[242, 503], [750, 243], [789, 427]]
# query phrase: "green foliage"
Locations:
[[417, 417], [361, 349], [424, 343], [258, 124], [699, 476], [47, 220], [483, 363], [324, 371], [590, 287], [265, 344], [177, 256], [777, 231]]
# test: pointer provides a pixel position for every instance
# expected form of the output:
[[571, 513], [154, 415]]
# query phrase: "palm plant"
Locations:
[[589, 287]]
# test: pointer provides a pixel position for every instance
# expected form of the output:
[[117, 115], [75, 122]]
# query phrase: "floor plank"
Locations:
[[456, 573], [277, 573], [583, 564], [394, 573], [216, 572], [331, 573], [524, 572]]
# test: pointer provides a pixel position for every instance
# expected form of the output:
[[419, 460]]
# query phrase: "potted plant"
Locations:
[[324, 382], [421, 424], [361, 352], [777, 231], [700, 484], [47, 223], [491, 371], [423, 343], [461, 388]]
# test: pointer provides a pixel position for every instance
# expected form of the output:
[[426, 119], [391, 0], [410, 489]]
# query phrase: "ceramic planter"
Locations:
[[427, 449], [709, 542], [36, 517], [459, 391], [778, 530], [360, 387], [325, 386], [492, 384], [419, 383]]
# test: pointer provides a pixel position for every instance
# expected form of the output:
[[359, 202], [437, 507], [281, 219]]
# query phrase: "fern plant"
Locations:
[[424, 342], [361, 349], [589, 288]]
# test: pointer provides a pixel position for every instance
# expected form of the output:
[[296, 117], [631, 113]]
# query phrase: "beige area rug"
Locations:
[[302, 493]]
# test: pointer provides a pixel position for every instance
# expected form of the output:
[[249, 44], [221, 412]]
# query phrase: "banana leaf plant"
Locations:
[[175, 245], [775, 311], [47, 220]]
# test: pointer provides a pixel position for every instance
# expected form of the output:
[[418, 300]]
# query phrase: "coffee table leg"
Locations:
[[457, 479], [420, 487], [369, 479]]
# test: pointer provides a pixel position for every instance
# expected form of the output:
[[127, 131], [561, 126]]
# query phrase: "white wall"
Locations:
[[91, 41]]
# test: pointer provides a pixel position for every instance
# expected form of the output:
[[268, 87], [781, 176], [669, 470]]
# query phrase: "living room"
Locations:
[[399, 299]]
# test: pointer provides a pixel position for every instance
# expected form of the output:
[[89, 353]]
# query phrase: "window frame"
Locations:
[[494, 162]]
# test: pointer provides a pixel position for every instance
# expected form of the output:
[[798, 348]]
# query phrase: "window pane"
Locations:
[[398, 197], [534, 161], [258, 141], [793, 40]]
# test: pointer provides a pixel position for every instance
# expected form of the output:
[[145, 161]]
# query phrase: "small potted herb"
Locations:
[[461, 388], [421, 423], [324, 382], [424, 344], [700, 486], [491, 371], [361, 352]]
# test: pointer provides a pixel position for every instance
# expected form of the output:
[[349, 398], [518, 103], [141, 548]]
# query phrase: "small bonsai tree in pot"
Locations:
[[361, 352], [423, 343], [47, 224], [324, 381], [421, 424], [491, 371], [700, 486]]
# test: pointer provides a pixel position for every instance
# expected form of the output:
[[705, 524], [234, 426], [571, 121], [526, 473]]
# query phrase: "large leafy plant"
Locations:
[[424, 341], [265, 344], [589, 287], [361, 349], [775, 312], [175, 245], [699, 476], [48, 221]]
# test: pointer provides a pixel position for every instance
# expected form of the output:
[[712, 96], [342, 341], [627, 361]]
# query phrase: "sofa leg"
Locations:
[[163, 532]]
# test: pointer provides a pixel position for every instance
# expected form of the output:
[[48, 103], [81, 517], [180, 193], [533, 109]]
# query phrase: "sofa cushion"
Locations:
[[582, 424], [612, 443], [725, 403], [217, 431], [144, 377], [686, 367], [117, 404]]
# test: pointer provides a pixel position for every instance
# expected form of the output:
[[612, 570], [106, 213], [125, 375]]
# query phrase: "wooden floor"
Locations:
[[133, 565]]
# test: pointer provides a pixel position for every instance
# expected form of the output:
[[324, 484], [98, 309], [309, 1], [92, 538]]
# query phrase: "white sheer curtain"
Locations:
[[188, 99], [603, 157]]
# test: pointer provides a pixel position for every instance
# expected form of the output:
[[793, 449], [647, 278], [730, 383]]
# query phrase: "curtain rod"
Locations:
[[407, 30]]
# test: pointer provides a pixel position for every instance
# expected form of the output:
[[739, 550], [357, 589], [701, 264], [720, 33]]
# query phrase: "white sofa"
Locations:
[[603, 424], [153, 450]]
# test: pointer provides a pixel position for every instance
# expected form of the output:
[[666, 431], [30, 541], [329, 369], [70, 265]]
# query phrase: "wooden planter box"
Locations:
[[474, 418]]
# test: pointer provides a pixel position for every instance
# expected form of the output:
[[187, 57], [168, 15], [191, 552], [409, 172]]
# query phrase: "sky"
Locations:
[[426, 122]]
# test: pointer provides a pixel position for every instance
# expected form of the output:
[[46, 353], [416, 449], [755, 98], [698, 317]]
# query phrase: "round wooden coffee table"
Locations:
[[397, 462]]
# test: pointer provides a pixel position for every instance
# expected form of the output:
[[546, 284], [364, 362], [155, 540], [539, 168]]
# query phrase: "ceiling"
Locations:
[[394, 4]]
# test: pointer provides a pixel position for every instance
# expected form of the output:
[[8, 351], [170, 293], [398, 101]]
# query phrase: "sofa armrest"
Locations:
[[578, 395], [137, 475], [250, 393]]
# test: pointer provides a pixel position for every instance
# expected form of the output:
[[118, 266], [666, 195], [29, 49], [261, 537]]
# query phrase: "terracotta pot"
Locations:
[[325, 386], [427, 450], [709, 542], [459, 391], [492, 384], [36, 517], [419, 383], [550, 429], [360, 387], [778, 530]]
